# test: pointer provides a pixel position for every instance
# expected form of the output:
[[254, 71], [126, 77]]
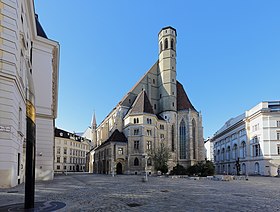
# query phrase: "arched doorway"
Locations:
[[243, 168], [257, 168], [119, 168]]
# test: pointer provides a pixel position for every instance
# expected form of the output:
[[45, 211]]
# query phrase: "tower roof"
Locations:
[[169, 27], [40, 30], [183, 102], [142, 104], [93, 121]]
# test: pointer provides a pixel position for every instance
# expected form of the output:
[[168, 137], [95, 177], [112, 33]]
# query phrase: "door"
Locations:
[[119, 168]]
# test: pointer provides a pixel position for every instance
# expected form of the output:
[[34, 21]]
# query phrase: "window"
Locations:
[[65, 151], [161, 136], [64, 159], [136, 162], [228, 153], [243, 149], [64, 167], [58, 167], [172, 139], [65, 142], [278, 135], [136, 132], [136, 144], [194, 138], [149, 121], [58, 159], [223, 154], [278, 149], [166, 43], [58, 150], [160, 46], [234, 152], [20, 119], [161, 127], [278, 123], [182, 140], [149, 162], [149, 132], [172, 44], [160, 95], [149, 145], [154, 81], [155, 106], [256, 150], [120, 151]]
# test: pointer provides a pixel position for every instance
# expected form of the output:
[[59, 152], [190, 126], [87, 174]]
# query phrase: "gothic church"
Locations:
[[155, 111]]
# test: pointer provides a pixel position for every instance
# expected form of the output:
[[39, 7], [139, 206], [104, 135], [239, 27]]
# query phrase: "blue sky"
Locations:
[[228, 53]]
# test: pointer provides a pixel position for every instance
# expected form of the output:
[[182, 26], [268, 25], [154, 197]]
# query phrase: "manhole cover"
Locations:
[[133, 204], [38, 206]]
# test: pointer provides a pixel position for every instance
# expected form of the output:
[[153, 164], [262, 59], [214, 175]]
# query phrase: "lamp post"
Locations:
[[30, 145], [146, 174]]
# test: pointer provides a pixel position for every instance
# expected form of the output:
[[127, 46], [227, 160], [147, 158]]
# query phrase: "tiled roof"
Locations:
[[116, 136], [142, 104], [40, 30], [183, 102]]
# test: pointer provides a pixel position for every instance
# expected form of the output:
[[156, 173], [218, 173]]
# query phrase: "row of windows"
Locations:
[[136, 145], [71, 168], [136, 132], [75, 144], [71, 152], [72, 160], [230, 138], [166, 46], [136, 162]]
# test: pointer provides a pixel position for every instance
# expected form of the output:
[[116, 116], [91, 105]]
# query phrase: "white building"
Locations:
[[251, 140], [208, 145], [24, 47], [70, 151]]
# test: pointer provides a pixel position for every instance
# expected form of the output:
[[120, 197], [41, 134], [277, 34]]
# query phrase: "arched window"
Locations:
[[218, 155], [194, 138], [243, 149], [166, 43], [172, 138], [182, 140], [160, 46], [136, 162], [149, 162], [172, 44], [234, 152], [228, 153], [257, 168], [223, 154]]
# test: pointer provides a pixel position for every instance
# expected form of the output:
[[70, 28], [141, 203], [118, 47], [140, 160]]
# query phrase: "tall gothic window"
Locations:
[[136, 162], [172, 138], [160, 46], [166, 43], [172, 44], [194, 138], [182, 140], [234, 152]]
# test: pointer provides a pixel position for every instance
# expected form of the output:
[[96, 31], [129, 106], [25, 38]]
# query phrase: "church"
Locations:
[[155, 112]]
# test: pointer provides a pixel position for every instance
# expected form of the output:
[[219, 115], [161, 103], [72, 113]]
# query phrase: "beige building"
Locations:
[[155, 111], [70, 152], [24, 47]]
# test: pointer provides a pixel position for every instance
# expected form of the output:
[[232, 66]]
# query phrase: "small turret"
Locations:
[[93, 130]]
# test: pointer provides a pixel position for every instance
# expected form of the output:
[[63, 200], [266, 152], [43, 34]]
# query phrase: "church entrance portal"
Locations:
[[119, 168]]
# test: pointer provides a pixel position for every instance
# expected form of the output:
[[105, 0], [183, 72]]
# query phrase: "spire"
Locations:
[[93, 121]]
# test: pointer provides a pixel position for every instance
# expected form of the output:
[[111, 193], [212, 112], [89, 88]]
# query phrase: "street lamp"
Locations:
[[145, 179]]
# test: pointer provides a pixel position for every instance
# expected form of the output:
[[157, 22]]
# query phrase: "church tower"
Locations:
[[93, 130], [167, 70]]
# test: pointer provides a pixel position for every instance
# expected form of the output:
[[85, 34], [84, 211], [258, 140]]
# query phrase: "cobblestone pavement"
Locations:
[[88, 192]]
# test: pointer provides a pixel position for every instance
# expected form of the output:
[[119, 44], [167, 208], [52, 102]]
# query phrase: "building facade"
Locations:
[[70, 152], [24, 47], [155, 112], [250, 143]]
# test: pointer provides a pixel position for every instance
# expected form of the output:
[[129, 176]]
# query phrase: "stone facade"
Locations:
[[251, 140], [155, 112], [24, 47]]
